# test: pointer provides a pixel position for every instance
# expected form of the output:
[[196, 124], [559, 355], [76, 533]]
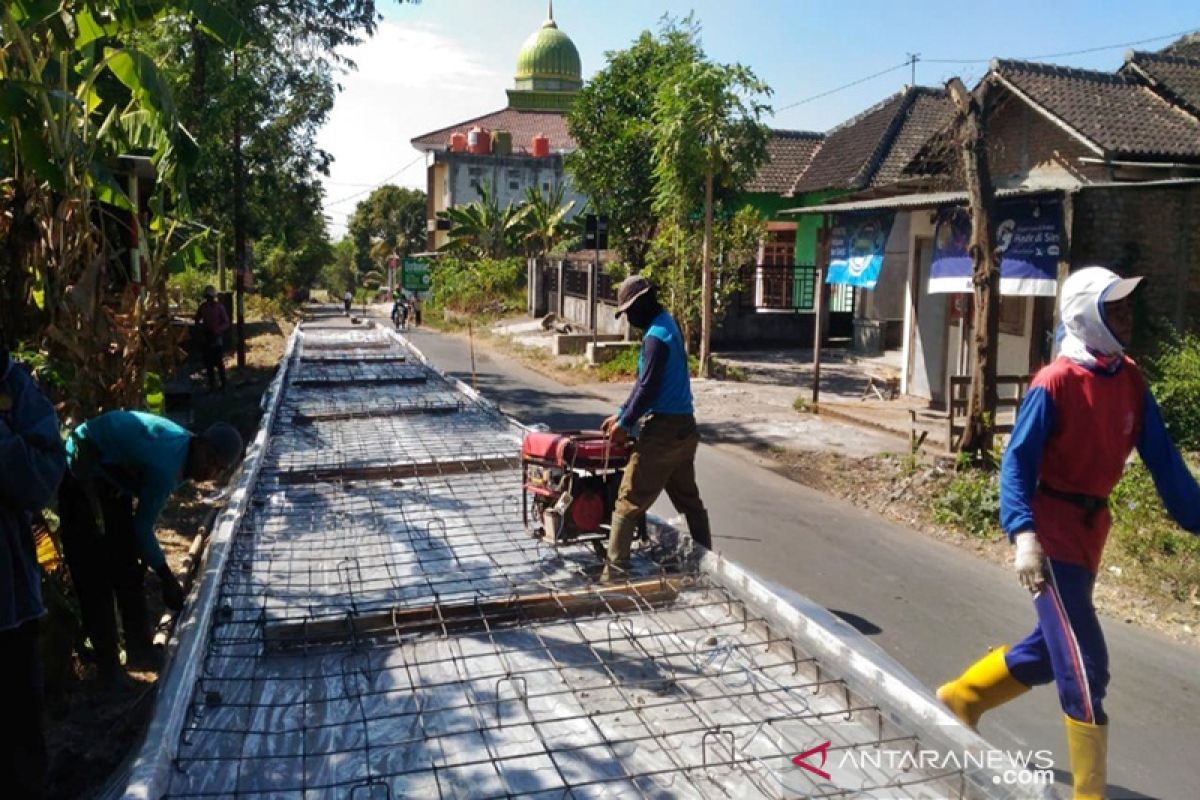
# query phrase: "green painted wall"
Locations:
[[807, 225]]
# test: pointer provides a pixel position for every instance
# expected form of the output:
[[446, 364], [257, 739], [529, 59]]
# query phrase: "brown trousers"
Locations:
[[664, 458]]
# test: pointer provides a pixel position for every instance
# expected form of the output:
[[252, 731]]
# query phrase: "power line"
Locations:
[[901, 65], [1061, 55], [372, 187], [913, 58]]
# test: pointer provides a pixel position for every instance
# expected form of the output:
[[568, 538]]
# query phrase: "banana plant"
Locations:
[[484, 228], [76, 96]]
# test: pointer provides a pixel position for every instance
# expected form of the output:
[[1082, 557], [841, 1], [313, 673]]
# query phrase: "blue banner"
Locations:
[[856, 247], [1028, 235]]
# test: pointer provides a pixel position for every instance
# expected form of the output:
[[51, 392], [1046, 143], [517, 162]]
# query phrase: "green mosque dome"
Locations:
[[549, 60]]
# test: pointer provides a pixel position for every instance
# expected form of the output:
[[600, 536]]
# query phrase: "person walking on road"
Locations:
[[213, 322], [114, 460], [665, 453], [32, 462], [416, 310], [347, 299], [1082, 417]]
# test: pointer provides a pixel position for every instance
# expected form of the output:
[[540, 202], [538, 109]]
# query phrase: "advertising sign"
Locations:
[[856, 245], [1028, 235]]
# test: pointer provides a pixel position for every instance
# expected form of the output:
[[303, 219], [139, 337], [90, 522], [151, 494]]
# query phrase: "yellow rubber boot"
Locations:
[[1088, 745], [983, 686]]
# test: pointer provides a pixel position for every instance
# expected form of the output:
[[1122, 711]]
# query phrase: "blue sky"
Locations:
[[436, 63]]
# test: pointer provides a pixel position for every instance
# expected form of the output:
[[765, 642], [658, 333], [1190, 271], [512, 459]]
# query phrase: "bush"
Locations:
[[971, 501], [486, 286], [187, 287], [1142, 532], [625, 366], [1175, 380]]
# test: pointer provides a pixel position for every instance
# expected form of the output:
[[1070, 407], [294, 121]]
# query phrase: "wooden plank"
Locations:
[[441, 618], [340, 416], [421, 469], [398, 380]]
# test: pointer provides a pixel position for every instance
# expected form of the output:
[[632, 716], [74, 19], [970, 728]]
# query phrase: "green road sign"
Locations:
[[415, 275]]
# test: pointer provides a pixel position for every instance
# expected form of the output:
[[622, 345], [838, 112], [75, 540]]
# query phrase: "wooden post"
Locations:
[[972, 142], [239, 224]]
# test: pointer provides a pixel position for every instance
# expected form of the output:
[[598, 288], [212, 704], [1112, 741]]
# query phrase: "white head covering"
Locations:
[[1089, 340]]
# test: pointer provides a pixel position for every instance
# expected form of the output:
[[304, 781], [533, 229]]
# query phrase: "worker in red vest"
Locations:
[[1084, 414]]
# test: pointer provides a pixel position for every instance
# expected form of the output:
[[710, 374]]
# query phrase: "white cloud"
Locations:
[[411, 78]]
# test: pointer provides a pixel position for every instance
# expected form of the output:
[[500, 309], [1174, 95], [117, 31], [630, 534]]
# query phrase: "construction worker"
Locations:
[[32, 462], [213, 322], [1083, 415], [114, 460], [665, 454]]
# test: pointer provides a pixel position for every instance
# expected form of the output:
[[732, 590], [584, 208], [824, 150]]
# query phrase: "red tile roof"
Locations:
[[1116, 113], [788, 154], [523, 125]]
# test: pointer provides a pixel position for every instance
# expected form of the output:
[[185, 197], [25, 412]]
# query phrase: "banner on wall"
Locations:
[[1029, 236], [856, 246]]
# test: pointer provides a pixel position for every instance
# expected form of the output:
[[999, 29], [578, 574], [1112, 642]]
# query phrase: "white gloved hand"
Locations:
[[1028, 561]]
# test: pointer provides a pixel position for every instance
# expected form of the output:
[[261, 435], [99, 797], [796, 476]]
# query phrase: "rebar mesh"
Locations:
[[689, 694]]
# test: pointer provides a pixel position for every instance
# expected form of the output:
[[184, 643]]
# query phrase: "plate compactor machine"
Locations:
[[570, 484]]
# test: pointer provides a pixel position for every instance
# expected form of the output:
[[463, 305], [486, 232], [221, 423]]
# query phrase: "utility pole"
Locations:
[[239, 222], [913, 58]]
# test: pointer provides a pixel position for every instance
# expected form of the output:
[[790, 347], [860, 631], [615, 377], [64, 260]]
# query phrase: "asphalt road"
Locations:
[[931, 606]]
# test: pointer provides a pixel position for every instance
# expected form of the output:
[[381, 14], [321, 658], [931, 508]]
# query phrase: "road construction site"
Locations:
[[374, 620]]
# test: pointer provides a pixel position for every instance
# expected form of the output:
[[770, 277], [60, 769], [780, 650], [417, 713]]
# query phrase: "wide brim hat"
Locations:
[[629, 291]]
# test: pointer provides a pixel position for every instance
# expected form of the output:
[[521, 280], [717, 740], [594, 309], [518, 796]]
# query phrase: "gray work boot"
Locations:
[[699, 529], [620, 538]]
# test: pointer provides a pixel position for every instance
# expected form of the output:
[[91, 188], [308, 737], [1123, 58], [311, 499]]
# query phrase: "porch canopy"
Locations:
[[1029, 233]]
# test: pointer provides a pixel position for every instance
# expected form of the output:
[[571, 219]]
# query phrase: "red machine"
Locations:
[[571, 481]]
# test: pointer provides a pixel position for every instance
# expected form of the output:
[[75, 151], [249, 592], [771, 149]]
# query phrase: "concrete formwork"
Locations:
[[375, 622]]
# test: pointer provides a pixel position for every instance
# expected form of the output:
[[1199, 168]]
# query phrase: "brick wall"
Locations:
[[1024, 143], [1152, 231]]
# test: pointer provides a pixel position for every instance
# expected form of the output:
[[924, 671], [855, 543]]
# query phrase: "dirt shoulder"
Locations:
[[90, 731], [872, 470]]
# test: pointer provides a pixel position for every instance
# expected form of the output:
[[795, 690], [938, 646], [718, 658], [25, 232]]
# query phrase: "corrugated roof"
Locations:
[[873, 147], [788, 154], [1115, 113], [1174, 77], [523, 125]]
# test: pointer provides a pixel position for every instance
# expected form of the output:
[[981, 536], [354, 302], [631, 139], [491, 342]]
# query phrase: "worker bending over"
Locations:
[[1083, 415], [665, 454], [115, 461]]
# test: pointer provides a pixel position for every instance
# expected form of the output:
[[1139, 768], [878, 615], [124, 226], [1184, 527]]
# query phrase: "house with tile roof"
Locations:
[[498, 149], [1104, 165], [867, 151]]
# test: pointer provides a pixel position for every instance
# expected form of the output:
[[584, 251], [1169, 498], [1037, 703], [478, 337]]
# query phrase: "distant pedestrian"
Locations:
[[1084, 413], [416, 310], [213, 321], [347, 299], [32, 462], [116, 459]]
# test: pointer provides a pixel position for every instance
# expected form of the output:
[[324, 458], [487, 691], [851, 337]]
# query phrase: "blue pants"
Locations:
[[1067, 646]]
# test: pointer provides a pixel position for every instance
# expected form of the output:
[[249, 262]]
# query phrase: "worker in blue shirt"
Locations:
[[665, 454], [116, 460], [31, 464]]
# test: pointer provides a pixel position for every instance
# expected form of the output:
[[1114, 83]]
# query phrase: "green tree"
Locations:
[[707, 133], [391, 221], [612, 123], [340, 274], [546, 223], [484, 228]]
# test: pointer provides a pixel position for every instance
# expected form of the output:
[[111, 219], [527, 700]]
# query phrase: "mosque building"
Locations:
[[521, 145]]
